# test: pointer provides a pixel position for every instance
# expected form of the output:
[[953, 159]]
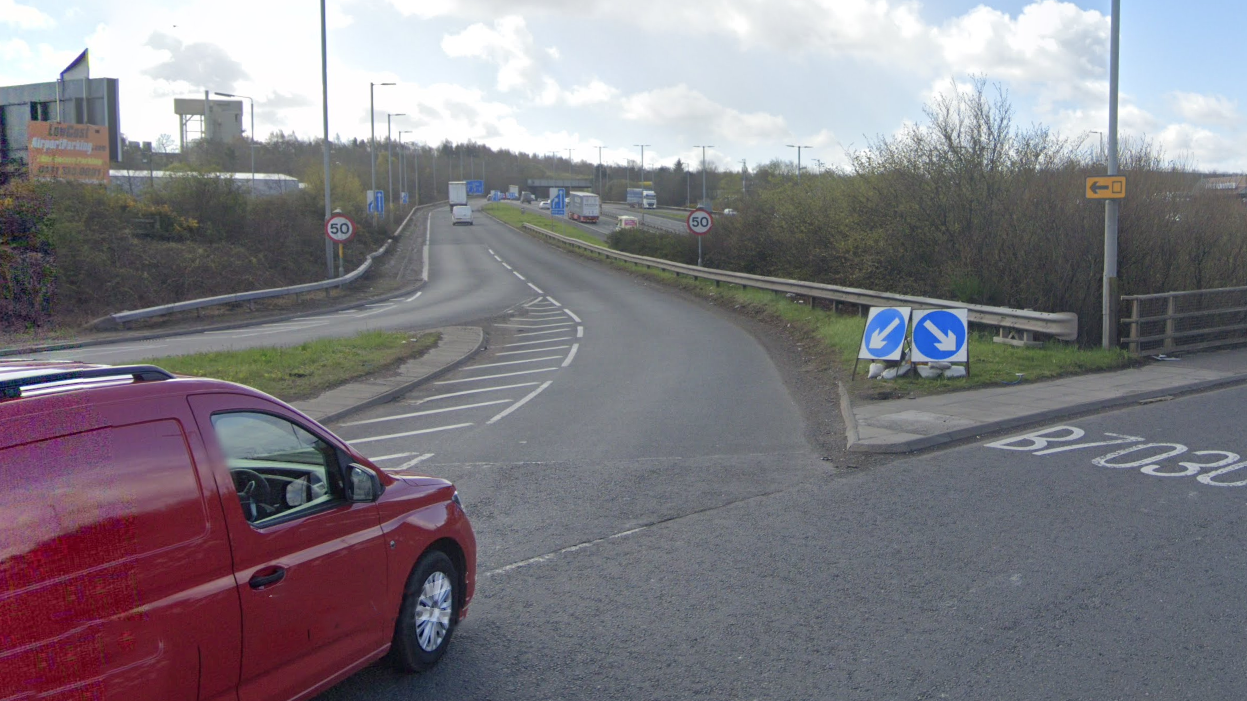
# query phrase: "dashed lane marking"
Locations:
[[573, 316], [503, 414], [394, 456], [535, 288], [412, 463], [408, 433], [571, 355], [580, 332], [518, 275], [428, 412], [564, 551], [377, 311]]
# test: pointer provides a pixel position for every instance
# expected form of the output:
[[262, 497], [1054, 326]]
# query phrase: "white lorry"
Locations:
[[458, 193], [584, 206]]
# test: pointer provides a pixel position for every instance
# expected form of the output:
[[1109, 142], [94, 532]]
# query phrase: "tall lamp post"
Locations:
[[244, 97], [324, 78], [1109, 311], [798, 147], [372, 138], [402, 163], [569, 163], [600, 194], [389, 158], [703, 172], [642, 159]]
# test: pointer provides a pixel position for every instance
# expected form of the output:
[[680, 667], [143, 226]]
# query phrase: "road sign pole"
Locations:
[[1111, 207]]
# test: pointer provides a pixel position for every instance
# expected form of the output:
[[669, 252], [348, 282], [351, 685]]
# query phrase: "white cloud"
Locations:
[[1207, 109], [508, 44], [682, 106], [24, 16]]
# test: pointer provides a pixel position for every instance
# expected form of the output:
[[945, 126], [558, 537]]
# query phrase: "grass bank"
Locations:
[[518, 218], [306, 370]]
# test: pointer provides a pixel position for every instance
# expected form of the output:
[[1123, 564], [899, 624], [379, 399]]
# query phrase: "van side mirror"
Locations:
[[365, 485]]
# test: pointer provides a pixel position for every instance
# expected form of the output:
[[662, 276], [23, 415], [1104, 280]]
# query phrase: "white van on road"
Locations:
[[461, 214]]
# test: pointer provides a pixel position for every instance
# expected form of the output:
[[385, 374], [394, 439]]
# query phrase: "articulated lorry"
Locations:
[[458, 193], [584, 206], [640, 197]]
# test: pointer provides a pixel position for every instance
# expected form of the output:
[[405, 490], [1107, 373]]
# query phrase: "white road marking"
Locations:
[[377, 311], [316, 318], [475, 391], [540, 333], [491, 251], [408, 433], [535, 288], [428, 412], [506, 266], [571, 355], [516, 274], [580, 332], [534, 350], [494, 377], [380, 304], [564, 551], [413, 297], [513, 362], [553, 301], [428, 234], [395, 456], [535, 326], [573, 316], [544, 340], [520, 403], [411, 463]]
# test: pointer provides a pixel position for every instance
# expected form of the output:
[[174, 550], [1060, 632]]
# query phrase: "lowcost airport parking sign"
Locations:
[[885, 333], [940, 334]]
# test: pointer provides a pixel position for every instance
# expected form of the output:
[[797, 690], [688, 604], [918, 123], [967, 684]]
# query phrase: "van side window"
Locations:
[[279, 468]]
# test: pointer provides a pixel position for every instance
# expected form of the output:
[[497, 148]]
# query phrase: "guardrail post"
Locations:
[[1170, 323], [1135, 328]]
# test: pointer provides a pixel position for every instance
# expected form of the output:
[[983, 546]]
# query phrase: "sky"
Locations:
[[744, 77]]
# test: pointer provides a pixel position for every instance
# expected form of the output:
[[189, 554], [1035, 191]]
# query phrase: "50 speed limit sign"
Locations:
[[339, 228], [699, 222]]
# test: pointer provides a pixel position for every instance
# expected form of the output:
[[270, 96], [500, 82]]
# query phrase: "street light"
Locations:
[[324, 81], [703, 172], [600, 170], [569, 163], [642, 160], [402, 163], [798, 158], [225, 94], [372, 139], [389, 157]]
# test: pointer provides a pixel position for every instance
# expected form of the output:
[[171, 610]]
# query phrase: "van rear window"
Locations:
[[95, 498]]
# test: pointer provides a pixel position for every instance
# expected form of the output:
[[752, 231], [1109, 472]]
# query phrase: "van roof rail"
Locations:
[[12, 388]]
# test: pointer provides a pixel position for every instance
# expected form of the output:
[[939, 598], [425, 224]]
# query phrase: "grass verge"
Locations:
[[306, 370], [837, 337], [518, 218]]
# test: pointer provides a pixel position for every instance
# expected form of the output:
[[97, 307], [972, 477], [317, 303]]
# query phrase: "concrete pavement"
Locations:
[[906, 425]]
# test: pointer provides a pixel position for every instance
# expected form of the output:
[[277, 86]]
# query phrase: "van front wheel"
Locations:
[[428, 614]]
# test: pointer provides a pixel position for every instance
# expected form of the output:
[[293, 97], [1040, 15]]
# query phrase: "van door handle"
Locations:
[[259, 581]]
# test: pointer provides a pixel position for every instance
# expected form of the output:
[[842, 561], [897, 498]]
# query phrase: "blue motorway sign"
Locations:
[[376, 202], [940, 334], [884, 334], [558, 203], [405, 198], [476, 187]]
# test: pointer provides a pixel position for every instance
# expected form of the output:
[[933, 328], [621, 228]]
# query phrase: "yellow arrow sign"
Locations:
[[1106, 187]]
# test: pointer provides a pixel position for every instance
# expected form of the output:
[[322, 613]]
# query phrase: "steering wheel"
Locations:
[[253, 491]]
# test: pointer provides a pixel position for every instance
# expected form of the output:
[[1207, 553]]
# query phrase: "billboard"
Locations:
[[67, 151]]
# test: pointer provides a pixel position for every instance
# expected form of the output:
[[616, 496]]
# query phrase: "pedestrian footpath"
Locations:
[[906, 425]]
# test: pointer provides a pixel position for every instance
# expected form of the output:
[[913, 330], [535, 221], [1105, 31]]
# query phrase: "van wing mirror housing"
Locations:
[[365, 485]]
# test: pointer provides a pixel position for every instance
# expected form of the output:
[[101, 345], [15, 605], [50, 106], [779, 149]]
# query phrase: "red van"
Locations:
[[174, 538]]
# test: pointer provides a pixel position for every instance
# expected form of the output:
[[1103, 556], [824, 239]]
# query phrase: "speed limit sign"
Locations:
[[699, 222], [340, 228]]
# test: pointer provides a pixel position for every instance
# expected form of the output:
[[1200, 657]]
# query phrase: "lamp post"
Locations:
[[372, 139], [703, 173], [324, 78], [569, 163], [1111, 211], [389, 158], [642, 159], [402, 163], [600, 170], [244, 97], [798, 147]]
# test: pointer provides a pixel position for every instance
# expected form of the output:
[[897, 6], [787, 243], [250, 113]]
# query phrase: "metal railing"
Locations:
[[1062, 325], [1192, 320], [120, 319]]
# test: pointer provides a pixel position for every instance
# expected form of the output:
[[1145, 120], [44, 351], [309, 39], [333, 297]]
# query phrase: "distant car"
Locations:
[[461, 215], [544, 204], [626, 222], [729, 212]]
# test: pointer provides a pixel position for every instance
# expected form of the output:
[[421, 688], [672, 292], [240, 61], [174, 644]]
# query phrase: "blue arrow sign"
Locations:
[[885, 333], [940, 334], [378, 205], [558, 205], [476, 187]]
